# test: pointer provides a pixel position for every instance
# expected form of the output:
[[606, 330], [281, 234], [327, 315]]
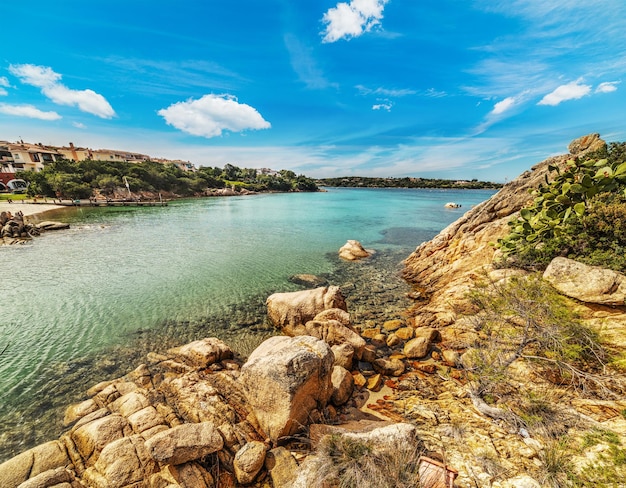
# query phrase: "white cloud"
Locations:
[[212, 114], [45, 78], [79, 125], [607, 87], [27, 111], [348, 20], [3, 92], [503, 105], [39, 76], [382, 106], [571, 91]]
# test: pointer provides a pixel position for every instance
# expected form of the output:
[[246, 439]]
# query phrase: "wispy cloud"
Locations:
[[212, 114], [27, 111], [571, 91], [503, 109], [4, 83], [48, 81], [385, 92], [304, 64], [157, 76], [79, 125], [434, 93], [348, 20], [550, 35]]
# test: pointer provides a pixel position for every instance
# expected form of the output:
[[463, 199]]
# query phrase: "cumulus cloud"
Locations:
[[212, 114], [348, 20], [48, 81], [571, 91], [607, 87], [27, 111]]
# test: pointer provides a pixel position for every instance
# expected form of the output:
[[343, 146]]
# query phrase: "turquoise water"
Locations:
[[82, 304]]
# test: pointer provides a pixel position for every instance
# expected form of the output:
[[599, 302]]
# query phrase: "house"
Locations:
[[32, 157], [119, 156], [73, 153], [180, 164], [8, 167]]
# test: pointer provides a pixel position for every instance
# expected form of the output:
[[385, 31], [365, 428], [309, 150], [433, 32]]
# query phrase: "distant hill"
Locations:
[[368, 182]]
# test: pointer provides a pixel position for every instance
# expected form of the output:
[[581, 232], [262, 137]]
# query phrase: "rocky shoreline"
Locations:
[[383, 375]]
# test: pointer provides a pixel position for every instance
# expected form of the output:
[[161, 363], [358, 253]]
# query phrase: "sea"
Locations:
[[87, 304]]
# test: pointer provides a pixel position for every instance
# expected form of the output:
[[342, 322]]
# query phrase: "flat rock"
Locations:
[[590, 284]]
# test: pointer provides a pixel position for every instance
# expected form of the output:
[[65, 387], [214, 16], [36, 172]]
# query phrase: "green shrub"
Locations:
[[580, 214], [597, 238]]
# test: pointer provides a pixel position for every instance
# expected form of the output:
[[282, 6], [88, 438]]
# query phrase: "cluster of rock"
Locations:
[[195, 417], [442, 272], [15, 230]]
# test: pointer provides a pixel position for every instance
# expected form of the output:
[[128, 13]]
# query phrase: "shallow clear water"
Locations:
[[82, 304]]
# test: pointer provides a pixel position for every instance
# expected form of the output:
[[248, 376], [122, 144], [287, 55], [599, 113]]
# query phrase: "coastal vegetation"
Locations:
[[406, 182], [580, 214], [68, 179]]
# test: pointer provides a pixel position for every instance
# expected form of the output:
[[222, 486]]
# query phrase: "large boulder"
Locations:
[[588, 143], [285, 379], [298, 307], [590, 284]]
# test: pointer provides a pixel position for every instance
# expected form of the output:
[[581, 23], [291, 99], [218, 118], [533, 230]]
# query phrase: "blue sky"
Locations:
[[433, 88]]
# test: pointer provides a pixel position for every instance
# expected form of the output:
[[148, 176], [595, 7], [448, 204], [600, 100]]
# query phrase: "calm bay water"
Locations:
[[86, 304]]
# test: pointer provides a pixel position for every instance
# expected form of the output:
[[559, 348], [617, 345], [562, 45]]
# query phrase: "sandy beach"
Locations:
[[27, 208]]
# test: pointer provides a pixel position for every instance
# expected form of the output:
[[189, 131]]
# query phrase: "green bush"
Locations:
[[597, 238], [579, 214]]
